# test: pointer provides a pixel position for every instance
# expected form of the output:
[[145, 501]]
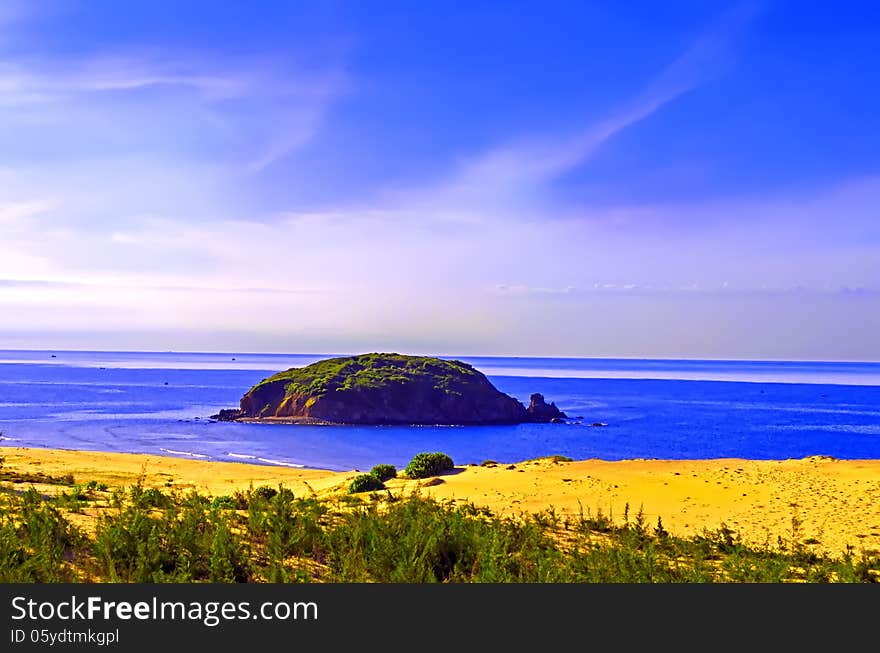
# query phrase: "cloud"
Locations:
[[514, 178], [131, 197], [129, 285], [16, 212], [108, 155], [707, 57], [36, 283], [700, 62], [724, 289], [253, 112], [518, 289], [29, 83]]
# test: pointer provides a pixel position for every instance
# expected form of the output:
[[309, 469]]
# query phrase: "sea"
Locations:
[[161, 403]]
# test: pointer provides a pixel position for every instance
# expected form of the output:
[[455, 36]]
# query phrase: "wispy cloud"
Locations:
[[523, 290], [296, 123], [138, 191], [96, 146], [129, 285], [703, 60], [15, 212], [37, 283], [259, 110], [30, 83], [723, 289], [512, 178]]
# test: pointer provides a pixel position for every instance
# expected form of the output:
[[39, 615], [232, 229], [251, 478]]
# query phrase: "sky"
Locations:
[[694, 179]]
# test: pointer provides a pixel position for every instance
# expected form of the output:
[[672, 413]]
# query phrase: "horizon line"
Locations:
[[454, 356]]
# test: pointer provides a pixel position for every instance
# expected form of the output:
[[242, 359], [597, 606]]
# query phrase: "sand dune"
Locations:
[[829, 503], [836, 503]]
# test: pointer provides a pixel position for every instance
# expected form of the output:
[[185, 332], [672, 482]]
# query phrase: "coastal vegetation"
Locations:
[[369, 371], [366, 483], [425, 465], [384, 472], [88, 532]]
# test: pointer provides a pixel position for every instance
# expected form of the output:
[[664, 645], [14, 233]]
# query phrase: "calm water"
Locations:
[[160, 402]]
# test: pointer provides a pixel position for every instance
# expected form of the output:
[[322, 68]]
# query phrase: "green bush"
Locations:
[[424, 465], [365, 483], [241, 499], [149, 497], [265, 492], [384, 472], [224, 501]]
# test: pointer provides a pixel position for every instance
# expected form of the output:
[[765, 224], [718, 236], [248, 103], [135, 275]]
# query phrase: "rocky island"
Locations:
[[386, 389]]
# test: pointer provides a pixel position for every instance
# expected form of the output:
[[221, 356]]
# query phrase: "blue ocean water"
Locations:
[[160, 403]]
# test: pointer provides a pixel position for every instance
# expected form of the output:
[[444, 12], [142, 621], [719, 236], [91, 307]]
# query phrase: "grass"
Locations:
[[267, 534], [371, 371]]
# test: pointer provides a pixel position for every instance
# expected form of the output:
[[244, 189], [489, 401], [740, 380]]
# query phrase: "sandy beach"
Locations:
[[828, 503]]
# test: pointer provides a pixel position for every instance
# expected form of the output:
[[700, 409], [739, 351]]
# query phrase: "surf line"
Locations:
[[183, 453]]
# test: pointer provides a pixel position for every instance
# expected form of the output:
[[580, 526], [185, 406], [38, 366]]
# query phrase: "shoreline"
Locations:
[[308, 421], [829, 503], [253, 460]]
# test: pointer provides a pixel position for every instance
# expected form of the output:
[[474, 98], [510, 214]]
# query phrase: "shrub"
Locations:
[[241, 499], [424, 465], [224, 501], [149, 498], [73, 500], [384, 472], [365, 483], [228, 561], [265, 492]]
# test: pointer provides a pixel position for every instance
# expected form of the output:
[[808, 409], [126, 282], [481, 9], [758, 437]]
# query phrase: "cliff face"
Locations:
[[385, 389]]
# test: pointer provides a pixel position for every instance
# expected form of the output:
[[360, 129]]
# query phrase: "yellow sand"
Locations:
[[836, 502]]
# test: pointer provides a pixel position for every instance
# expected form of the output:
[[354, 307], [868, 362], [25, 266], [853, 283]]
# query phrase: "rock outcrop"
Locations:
[[540, 411], [228, 415], [386, 389]]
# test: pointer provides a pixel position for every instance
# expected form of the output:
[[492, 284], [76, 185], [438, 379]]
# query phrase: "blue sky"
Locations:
[[689, 179]]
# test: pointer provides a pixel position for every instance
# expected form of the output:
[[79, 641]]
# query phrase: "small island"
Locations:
[[386, 389]]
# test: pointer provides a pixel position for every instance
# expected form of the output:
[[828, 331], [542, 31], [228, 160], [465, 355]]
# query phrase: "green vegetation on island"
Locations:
[[386, 389], [370, 371]]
